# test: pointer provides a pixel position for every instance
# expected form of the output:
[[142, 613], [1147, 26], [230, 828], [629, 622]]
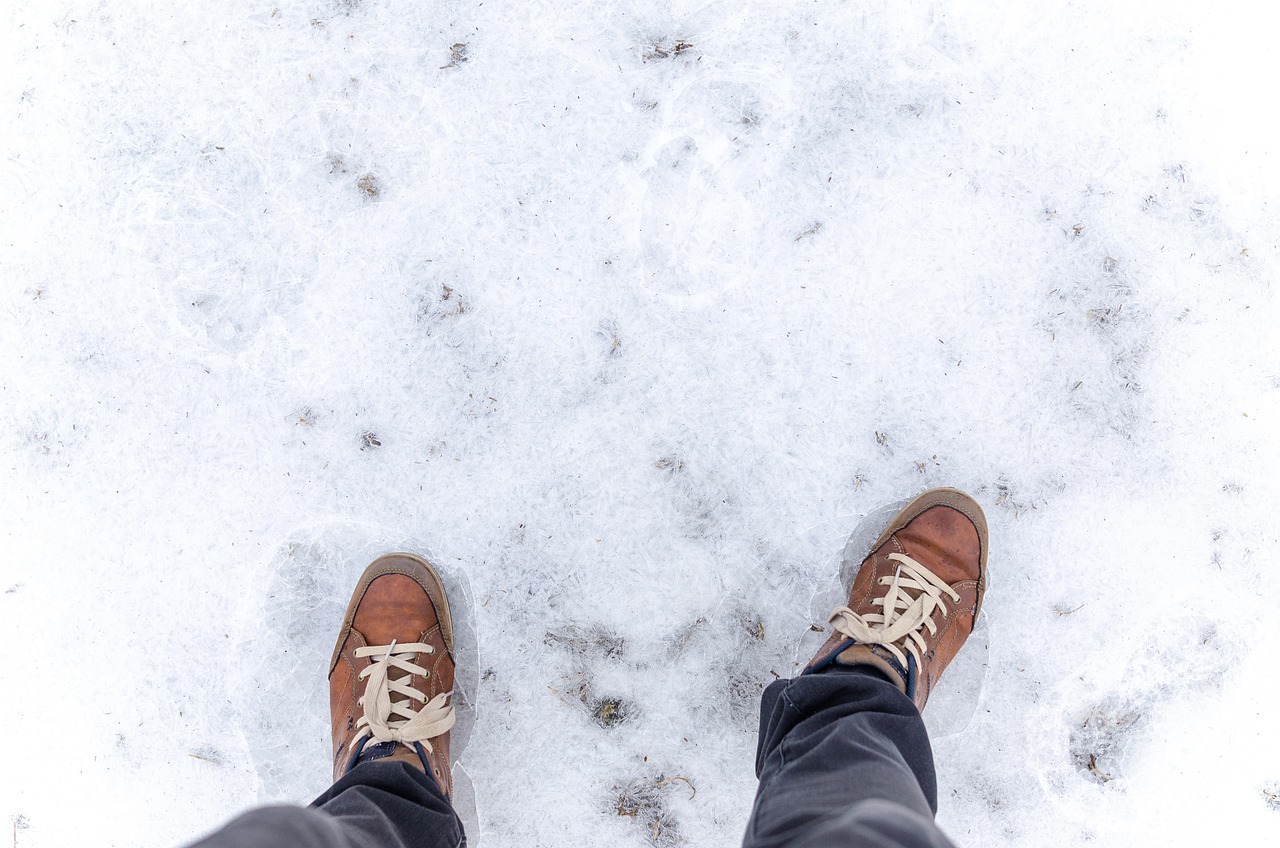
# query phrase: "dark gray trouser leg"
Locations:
[[378, 804], [843, 761]]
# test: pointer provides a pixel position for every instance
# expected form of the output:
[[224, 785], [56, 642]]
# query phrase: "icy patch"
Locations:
[[281, 674], [955, 698], [1101, 720], [657, 287]]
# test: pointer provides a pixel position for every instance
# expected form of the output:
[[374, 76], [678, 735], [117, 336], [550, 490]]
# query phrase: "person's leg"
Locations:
[[843, 757], [283, 825], [389, 683], [378, 804], [393, 804]]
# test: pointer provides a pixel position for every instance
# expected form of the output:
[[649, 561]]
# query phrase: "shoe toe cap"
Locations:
[[946, 541]]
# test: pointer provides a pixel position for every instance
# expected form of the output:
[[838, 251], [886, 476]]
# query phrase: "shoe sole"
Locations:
[[414, 567], [962, 503]]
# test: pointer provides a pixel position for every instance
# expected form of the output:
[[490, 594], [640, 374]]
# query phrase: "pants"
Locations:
[[843, 760]]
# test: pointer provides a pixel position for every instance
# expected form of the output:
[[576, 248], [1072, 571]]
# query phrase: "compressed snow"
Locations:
[[629, 312]]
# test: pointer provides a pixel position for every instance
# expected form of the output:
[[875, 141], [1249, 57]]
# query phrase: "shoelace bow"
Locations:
[[903, 616], [397, 721]]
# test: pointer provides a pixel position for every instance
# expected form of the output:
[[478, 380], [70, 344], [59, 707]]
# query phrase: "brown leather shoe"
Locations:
[[916, 596], [392, 670]]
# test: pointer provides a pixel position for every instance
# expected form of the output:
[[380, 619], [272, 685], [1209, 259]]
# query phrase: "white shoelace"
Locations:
[[397, 721], [903, 617]]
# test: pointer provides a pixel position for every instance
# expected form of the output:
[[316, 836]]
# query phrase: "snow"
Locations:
[[628, 313]]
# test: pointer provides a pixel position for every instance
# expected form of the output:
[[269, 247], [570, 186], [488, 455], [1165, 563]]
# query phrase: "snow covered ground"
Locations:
[[628, 312]]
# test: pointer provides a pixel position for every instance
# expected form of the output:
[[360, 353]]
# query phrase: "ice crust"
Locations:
[[283, 701], [629, 313]]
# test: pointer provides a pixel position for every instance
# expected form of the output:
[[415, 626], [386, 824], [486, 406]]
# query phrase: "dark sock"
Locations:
[[868, 670]]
